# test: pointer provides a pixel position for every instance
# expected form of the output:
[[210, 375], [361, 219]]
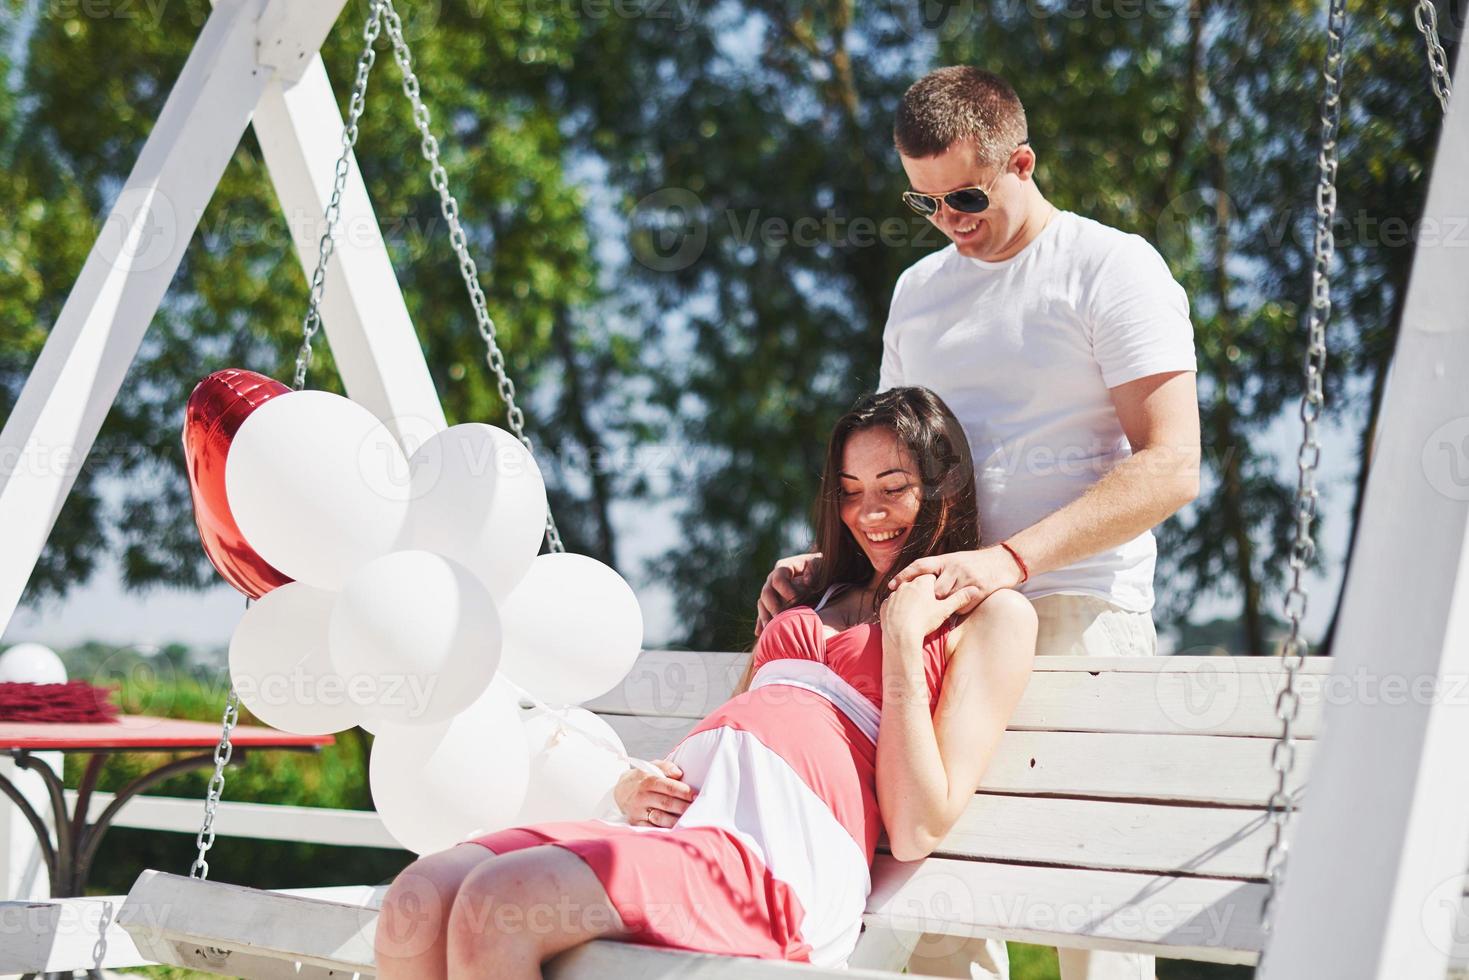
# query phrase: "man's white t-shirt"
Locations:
[[1023, 351]]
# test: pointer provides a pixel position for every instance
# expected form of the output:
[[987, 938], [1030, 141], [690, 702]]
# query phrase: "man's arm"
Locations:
[[1160, 416]]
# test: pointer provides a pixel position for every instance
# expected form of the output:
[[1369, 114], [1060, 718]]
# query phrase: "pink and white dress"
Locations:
[[773, 858]]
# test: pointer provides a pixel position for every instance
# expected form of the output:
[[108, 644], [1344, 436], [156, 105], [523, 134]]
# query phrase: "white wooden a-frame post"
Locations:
[[1374, 880], [254, 60]]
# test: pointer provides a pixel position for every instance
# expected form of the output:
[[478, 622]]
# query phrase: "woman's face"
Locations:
[[880, 493]]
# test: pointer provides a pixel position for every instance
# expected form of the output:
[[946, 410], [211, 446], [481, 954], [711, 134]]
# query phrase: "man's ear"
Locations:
[[1024, 162]]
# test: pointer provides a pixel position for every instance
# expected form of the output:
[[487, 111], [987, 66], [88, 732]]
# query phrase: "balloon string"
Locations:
[[564, 722]]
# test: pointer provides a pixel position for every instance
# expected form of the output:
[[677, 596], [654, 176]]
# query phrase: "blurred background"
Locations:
[[687, 222]]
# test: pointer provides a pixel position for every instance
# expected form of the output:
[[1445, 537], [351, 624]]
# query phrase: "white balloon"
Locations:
[[478, 497], [281, 664], [318, 486], [417, 634], [569, 773], [32, 663], [437, 786], [573, 629]]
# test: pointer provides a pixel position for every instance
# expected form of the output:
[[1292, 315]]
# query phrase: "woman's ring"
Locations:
[[648, 817]]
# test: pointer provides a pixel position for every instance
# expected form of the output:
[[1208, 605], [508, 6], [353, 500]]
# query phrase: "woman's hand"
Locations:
[[913, 611], [653, 801], [780, 586]]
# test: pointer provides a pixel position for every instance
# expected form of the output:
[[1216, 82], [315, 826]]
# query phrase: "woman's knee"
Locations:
[[415, 910], [528, 905]]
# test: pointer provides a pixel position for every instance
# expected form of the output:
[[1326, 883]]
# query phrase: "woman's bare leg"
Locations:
[[525, 907], [410, 942]]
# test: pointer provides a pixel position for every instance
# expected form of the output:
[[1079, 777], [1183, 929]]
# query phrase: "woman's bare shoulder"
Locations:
[[1004, 609]]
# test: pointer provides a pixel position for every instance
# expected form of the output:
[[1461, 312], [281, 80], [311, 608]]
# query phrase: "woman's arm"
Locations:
[[928, 768]]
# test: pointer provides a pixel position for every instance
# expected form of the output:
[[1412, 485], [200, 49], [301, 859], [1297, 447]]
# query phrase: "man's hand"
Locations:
[[653, 801], [781, 584], [916, 610], [985, 570]]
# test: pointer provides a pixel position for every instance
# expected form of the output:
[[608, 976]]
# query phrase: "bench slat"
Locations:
[[1111, 835], [222, 928], [1141, 695], [61, 935], [1215, 920], [1227, 770]]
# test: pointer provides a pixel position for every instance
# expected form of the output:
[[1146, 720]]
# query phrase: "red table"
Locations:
[[69, 858]]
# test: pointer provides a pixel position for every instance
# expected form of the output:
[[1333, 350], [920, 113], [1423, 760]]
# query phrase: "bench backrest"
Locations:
[[1157, 764]]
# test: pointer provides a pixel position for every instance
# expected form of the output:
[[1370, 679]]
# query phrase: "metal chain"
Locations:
[[1426, 17], [439, 178], [1280, 806], [223, 751], [327, 245], [380, 11]]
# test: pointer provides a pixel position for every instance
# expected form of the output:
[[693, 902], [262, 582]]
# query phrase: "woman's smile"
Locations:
[[885, 536]]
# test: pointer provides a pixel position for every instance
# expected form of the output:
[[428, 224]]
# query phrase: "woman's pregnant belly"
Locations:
[[787, 775], [804, 755]]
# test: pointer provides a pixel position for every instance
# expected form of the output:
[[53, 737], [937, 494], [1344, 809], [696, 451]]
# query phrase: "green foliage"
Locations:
[[688, 229], [92, 87]]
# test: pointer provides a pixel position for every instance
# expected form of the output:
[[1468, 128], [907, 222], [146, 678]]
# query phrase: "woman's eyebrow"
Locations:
[[848, 476]]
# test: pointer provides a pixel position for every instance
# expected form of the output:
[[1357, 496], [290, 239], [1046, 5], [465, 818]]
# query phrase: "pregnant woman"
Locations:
[[879, 710]]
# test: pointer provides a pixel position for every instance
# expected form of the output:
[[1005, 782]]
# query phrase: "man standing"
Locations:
[[1065, 349]]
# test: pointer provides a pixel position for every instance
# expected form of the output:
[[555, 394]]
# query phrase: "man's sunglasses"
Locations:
[[969, 200]]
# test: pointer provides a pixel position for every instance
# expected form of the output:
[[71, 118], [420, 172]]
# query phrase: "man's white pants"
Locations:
[[1074, 625]]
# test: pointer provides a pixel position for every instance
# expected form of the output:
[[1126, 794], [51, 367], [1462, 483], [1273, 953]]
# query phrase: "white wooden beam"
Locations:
[[289, 35], [95, 337], [366, 321], [1376, 859], [63, 935], [239, 820]]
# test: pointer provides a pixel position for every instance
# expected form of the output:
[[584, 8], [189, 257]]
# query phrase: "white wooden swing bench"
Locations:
[[1124, 811], [1126, 807]]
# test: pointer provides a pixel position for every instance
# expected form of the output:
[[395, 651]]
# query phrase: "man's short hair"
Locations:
[[956, 103]]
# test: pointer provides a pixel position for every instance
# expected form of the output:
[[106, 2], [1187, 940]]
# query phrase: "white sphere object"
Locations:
[[281, 665], [478, 497], [32, 663], [569, 773], [416, 636], [573, 629], [437, 786], [318, 486]]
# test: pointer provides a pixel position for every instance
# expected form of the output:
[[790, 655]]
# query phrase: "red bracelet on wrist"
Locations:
[[1024, 571]]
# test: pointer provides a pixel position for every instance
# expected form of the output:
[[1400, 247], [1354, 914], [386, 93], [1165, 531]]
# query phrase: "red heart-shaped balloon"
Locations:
[[216, 409]]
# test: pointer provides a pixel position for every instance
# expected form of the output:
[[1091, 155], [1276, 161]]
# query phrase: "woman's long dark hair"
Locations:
[[948, 515]]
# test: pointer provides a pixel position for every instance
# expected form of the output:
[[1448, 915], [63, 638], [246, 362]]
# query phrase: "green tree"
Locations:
[[92, 87], [742, 154], [1193, 125]]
